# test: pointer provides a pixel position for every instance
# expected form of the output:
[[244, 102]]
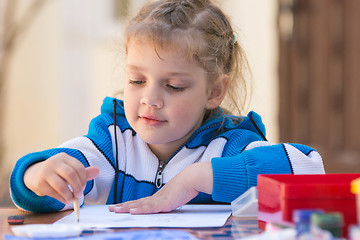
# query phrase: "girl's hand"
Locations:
[[53, 177], [177, 192]]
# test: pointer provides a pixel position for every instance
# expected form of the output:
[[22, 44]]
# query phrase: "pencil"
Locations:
[[76, 208]]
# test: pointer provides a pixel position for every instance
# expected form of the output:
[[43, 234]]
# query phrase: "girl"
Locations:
[[169, 142]]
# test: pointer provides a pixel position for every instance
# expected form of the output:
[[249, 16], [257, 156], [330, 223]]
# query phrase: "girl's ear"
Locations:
[[217, 92]]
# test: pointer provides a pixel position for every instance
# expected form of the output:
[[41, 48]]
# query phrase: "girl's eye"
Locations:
[[174, 88], [135, 82]]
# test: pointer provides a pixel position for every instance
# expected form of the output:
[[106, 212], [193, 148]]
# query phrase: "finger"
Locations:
[[148, 208], [58, 197], [47, 190], [91, 173], [113, 206], [60, 186], [71, 161], [71, 170], [72, 177], [145, 209], [125, 207], [78, 168]]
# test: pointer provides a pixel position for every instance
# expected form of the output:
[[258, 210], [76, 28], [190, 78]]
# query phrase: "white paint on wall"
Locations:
[[255, 26]]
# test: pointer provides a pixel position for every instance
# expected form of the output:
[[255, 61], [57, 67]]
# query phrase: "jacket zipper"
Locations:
[[162, 165], [159, 175]]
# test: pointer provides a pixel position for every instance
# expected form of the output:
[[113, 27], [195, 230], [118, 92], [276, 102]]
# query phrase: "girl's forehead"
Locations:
[[143, 56], [189, 42], [162, 49]]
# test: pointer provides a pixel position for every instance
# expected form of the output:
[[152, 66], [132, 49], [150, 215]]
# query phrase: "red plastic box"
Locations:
[[280, 194]]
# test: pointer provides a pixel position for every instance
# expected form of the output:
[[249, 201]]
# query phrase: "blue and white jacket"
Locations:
[[237, 152]]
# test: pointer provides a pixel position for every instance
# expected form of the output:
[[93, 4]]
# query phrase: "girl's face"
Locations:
[[165, 96]]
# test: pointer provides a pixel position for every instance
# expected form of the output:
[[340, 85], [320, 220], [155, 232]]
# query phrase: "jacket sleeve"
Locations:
[[93, 149], [233, 175]]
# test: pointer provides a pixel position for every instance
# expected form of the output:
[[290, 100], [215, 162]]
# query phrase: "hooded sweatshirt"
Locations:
[[235, 146]]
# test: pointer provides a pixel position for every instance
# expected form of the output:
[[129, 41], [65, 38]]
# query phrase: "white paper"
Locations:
[[99, 216], [47, 230]]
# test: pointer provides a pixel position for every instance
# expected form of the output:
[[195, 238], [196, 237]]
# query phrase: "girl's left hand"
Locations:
[[177, 192]]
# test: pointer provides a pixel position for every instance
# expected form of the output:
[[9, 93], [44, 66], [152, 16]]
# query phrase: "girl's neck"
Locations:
[[163, 152]]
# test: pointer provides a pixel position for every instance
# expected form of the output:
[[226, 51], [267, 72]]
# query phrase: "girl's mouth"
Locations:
[[151, 121]]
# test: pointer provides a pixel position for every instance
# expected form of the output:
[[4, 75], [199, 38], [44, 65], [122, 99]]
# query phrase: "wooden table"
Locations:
[[235, 227]]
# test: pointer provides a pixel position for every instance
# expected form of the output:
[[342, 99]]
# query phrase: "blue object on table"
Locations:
[[130, 235], [301, 218]]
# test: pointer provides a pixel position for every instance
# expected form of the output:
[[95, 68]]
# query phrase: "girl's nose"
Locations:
[[152, 98]]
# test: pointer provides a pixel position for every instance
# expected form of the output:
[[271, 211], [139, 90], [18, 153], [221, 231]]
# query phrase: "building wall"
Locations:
[[71, 58], [256, 28]]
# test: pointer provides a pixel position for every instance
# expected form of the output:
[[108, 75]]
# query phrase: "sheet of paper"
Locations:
[[99, 216]]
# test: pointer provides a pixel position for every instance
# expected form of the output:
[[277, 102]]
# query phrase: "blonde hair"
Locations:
[[204, 33]]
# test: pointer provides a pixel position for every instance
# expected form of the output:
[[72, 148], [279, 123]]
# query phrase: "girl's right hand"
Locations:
[[53, 177]]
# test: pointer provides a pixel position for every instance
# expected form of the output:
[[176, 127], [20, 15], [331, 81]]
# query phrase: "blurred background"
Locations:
[[60, 58]]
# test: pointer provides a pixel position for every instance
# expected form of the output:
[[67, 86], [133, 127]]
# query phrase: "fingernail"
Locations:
[[133, 210], [118, 209], [111, 208]]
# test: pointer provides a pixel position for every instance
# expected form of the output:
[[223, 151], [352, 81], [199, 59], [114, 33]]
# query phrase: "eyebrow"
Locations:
[[133, 67], [180, 74], [173, 74]]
